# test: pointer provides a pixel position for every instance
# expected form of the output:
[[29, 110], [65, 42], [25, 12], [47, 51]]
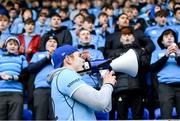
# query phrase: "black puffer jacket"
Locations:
[[125, 81], [113, 43]]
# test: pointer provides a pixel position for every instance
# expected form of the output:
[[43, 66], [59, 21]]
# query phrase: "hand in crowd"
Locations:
[[104, 27], [176, 50], [50, 52], [29, 50], [172, 49], [137, 26], [5, 76], [77, 30], [109, 77], [21, 49], [86, 55]]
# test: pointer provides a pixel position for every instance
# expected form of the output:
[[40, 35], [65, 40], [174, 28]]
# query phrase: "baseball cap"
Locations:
[[60, 53]]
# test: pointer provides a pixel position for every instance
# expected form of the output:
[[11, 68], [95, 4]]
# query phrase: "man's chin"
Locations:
[[128, 42], [12, 52]]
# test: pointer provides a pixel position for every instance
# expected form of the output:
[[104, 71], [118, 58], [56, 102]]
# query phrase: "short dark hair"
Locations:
[[65, 10], [134, 7], [27, 9], [176, 9], [79, 14], [4, 17], [176, 5], [102, 14], [30, 21], [122, 14], [108, 7], [89, 19], [162, 13], [127, 30], [42, 14], [55, 15]]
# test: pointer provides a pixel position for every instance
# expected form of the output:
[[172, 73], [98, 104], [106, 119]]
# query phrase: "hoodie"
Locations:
[[164, 66], [51, 75]]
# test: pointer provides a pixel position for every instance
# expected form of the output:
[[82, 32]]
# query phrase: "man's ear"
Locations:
[[68, 60], [156, 19]]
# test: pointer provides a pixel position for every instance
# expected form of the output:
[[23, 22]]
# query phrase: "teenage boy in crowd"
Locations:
[[165, 63], [40, 65], [11, 89]]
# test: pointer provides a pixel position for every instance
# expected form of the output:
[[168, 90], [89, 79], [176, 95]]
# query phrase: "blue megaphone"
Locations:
[[96, 65]]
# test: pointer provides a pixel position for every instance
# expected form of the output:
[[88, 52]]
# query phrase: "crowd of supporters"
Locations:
[[30, 31]]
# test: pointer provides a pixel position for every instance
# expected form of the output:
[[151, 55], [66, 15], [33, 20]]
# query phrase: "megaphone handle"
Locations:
[[110, 68]]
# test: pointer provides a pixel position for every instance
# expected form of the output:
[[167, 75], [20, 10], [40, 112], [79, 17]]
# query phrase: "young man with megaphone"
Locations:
[[72, 98], [128, 91]]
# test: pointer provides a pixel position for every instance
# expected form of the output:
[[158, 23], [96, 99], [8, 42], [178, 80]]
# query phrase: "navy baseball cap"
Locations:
[[60, 53]]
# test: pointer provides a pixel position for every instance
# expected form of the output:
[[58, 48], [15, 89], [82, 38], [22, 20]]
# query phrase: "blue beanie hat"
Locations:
[[60, 53], [3, 11]]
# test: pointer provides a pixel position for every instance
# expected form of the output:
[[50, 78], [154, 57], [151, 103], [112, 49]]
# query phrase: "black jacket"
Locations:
[[113, 42], [124, 81]]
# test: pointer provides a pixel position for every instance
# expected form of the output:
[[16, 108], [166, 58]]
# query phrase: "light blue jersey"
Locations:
[[12, 65], [170, 73], [41, 77], [93, 79], [64, 83]]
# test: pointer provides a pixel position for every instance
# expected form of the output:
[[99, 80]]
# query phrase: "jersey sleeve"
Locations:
[[68, 81]]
